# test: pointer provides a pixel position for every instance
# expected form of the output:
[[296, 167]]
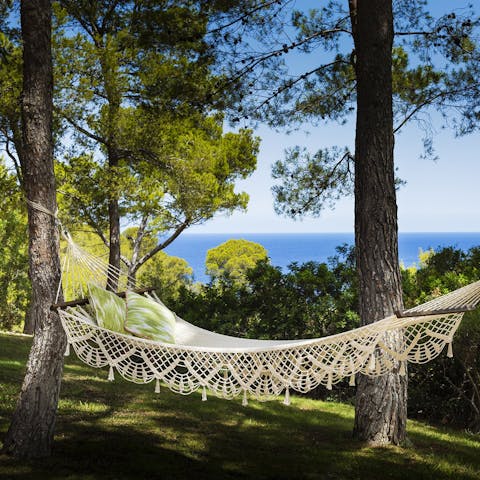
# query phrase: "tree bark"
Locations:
[[380, 411], [114, 241], [32, 427]]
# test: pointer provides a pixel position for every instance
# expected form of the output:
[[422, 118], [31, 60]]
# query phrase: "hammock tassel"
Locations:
[[371, 366], [204, 394], [157, 385], [352, 380], [402, 371], [111, 375], [286, 400], [329, 381], [67, 350], [450, 350], [245, 399]]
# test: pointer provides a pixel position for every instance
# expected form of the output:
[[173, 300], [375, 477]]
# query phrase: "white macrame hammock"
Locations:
[[231, 367]]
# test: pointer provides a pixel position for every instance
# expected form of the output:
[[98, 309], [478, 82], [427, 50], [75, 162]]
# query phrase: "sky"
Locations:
[[439, 196]]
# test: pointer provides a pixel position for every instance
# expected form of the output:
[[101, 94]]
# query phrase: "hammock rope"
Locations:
[[233, 367]]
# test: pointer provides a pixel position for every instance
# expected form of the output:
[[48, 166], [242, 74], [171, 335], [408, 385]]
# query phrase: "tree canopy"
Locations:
[[146, 148], [295, 66], [233, 258]]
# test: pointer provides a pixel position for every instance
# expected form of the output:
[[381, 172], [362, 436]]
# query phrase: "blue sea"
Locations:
[[285, 248]]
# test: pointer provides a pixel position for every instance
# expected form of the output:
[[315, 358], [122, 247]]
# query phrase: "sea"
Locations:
[[286, 248]]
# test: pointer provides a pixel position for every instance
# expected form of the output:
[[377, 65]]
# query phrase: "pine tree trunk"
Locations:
[[380, 411], [114, 249], [114, 225], [32, 428]]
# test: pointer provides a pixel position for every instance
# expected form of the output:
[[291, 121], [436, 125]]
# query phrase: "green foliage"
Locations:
[[85, 190], [435, 66], [441, 271], [310, 300], [168, 275], [446, 390], [10, 86], [136, 97], [309, 183], [14, 282], [131, 52], [189, 172], [233, 258]]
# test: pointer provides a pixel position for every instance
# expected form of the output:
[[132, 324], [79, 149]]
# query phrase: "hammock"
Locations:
[[231, 367]]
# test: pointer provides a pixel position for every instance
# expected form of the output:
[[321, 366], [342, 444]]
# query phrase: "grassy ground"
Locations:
[[124, 431]]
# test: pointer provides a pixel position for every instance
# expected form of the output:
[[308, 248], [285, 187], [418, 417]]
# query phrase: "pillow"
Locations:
[[109, 308], [149, 319]]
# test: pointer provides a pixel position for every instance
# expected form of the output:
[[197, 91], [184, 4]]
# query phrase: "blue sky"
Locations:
[[439, 196]]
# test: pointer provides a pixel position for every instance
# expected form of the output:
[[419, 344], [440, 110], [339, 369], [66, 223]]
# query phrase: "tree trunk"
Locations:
[[114, 255], [113, 97], [380, 411], [113, 205], [114, 225], [32, 428]]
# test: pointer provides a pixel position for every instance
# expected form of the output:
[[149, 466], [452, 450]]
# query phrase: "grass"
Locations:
[[124, 431]]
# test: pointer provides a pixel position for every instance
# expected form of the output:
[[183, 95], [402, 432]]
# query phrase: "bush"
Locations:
[[309, 300], [447, 390], [14, 282]]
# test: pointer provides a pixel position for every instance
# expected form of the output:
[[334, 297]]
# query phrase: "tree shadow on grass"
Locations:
[[281, 442], [449, 446], [122, 431], [177, 437]]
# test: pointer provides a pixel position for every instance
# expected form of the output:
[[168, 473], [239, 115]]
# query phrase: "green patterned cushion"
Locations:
[[110, 310], [149, 319]]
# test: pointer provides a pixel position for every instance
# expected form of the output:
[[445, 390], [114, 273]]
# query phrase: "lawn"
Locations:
[[124, 431]]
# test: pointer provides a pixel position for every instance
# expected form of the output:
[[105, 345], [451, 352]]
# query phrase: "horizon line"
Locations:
[[327, 233]]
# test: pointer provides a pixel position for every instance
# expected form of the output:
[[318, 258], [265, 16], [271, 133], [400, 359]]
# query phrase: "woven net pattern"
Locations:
[[263, 369]]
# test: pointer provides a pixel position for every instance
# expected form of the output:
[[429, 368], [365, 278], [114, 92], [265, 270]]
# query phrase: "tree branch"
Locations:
[[326, 182], [476, 391], [426, 34], [254, 62], [243, 17], [97, 230], [460, 391], [73, 10], [90, 220], [418, 107], [106, 16], [138, 242], [163, 245], [291, 83], [14, 159], [352, 7], [78, 127]]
